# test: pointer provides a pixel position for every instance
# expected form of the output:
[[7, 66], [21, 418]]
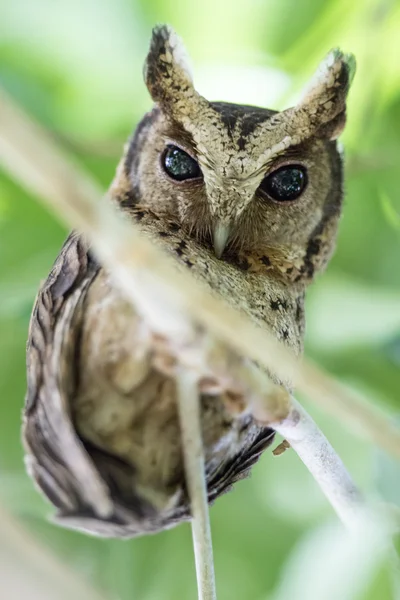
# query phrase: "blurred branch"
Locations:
[[39, 165], [29, 571]]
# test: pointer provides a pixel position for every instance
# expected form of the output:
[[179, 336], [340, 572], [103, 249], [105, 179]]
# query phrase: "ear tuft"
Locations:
[[333, 76], [166, 70], [325, 98]]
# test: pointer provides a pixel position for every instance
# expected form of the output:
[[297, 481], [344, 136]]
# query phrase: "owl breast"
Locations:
[[125, 406]]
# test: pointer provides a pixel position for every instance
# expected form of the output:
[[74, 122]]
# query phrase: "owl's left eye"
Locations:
[[179, 165], [285, 184]]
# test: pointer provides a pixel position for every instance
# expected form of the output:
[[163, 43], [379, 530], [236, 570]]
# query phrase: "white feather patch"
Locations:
[[179, 53]]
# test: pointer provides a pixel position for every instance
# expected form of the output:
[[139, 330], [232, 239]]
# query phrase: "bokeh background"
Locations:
[[76, 66]]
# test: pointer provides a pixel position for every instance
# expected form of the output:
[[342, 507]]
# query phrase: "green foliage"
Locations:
[[76, 66]]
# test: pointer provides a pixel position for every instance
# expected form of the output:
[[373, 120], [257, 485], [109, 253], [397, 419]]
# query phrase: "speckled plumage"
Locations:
[[101, 425]]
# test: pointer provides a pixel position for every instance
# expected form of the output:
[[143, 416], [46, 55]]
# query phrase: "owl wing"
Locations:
[[55, 457]]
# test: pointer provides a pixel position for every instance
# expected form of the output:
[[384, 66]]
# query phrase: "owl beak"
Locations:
[[220, 237]]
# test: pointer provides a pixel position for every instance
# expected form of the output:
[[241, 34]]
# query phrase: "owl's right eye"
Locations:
[[179, 165]]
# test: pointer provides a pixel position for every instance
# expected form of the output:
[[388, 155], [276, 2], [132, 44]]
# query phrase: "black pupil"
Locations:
[[179, 165], [285, 184]]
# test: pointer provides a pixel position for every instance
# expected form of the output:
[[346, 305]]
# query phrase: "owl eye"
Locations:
[[179, 165], [285, 184]]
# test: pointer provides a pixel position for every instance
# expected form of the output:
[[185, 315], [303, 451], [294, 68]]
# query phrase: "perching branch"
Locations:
[[296, 426], [323, 463]]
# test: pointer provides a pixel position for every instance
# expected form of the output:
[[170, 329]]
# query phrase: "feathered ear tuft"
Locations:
[[324, 100], [166, 71]]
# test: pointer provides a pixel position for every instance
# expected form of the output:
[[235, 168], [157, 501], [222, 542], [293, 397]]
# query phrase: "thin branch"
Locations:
[[270, 405], [192, 445], [37, 163], [324, 464]]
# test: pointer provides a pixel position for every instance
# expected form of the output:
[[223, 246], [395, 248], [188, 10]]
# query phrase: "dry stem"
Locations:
[[37, 163]]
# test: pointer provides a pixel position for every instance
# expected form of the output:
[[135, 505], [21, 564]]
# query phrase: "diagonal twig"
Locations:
[[145, 273], [28, 153]]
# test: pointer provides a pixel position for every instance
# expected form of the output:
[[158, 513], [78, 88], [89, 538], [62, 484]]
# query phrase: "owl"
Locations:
[[248, 201]]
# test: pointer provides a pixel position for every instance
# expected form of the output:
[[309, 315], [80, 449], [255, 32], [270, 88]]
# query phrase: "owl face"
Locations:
[[260, 186]]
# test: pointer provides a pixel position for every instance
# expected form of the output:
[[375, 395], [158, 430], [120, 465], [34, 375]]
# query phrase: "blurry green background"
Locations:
[[76, 66]]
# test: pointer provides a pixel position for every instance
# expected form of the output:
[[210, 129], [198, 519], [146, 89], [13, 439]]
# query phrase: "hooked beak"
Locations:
[[220, 237]]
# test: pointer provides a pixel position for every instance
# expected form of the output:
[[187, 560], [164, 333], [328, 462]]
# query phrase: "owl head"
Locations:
[[260, 188]]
